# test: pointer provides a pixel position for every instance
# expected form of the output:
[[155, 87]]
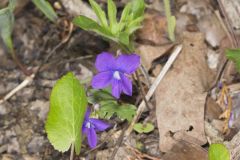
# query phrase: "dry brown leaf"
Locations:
[[196, 7], [154, 30], [232, 10], [212, 29], [181, 95], [186, 151], [149, 53], [213, 110]]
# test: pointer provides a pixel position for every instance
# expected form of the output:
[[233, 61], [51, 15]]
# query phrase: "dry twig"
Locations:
[[140, 155]]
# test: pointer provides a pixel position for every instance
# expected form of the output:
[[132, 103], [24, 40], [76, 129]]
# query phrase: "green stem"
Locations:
[[169, 19]]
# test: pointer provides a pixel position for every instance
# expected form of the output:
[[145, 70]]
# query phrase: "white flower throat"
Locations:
[[116, 75], [88, 125]]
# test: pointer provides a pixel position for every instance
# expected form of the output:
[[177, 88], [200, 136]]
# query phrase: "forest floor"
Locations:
[[186, 109]]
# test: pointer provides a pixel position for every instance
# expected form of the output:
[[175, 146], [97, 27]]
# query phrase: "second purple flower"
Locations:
[[115, 71]]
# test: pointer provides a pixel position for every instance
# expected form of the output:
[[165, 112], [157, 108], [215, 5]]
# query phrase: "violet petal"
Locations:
[[126, 85], [105, 61], [102, 80], [87, 114], [98, 124], [116, 88], [85, 129], [231, 119], [92, 138], [128, 63]]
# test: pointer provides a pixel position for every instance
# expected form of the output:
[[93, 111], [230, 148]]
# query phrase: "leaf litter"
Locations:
[[180, 99]]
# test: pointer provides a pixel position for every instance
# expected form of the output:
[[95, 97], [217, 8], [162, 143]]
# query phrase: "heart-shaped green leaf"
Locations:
[[218, 152], [68, 105], [143, 128]]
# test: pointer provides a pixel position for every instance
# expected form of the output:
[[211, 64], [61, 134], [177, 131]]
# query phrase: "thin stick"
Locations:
[[141, 155], [28, 80], [224, 27], [72, 152], [142, 90], [154, 87], [227, 22], [145, 74]]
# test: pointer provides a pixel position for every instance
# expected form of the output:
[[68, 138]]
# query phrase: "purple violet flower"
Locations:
[[90, 126], [115, 71]]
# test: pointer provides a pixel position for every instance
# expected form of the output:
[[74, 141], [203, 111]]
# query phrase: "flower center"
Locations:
[[88, 125], [116, 75]]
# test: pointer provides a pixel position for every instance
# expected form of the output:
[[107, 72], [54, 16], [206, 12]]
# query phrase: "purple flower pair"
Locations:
[[90, 126], [115, 71]]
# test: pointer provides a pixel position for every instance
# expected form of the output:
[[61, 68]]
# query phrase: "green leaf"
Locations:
[[218, 152], [6, 25], [126, 12], [171, 28], [121, 32], [138, 7], [234, 55], [90, 25], [46, 8], [171, 20], [112, 16], [68, 105], [134, 25], [99, 95], [123, 111], [124, 38], [12, 5], [143, 128], [100, 13]]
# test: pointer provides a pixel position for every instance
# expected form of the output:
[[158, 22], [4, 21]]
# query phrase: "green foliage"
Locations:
[[234, 55], [218, 152], [123, 111], [99, 12], [170, 19], [112, 16], [6, 25], [100, 95], [46, 8], [68, 105], [110, 107], [143, 128], [121, 31]]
